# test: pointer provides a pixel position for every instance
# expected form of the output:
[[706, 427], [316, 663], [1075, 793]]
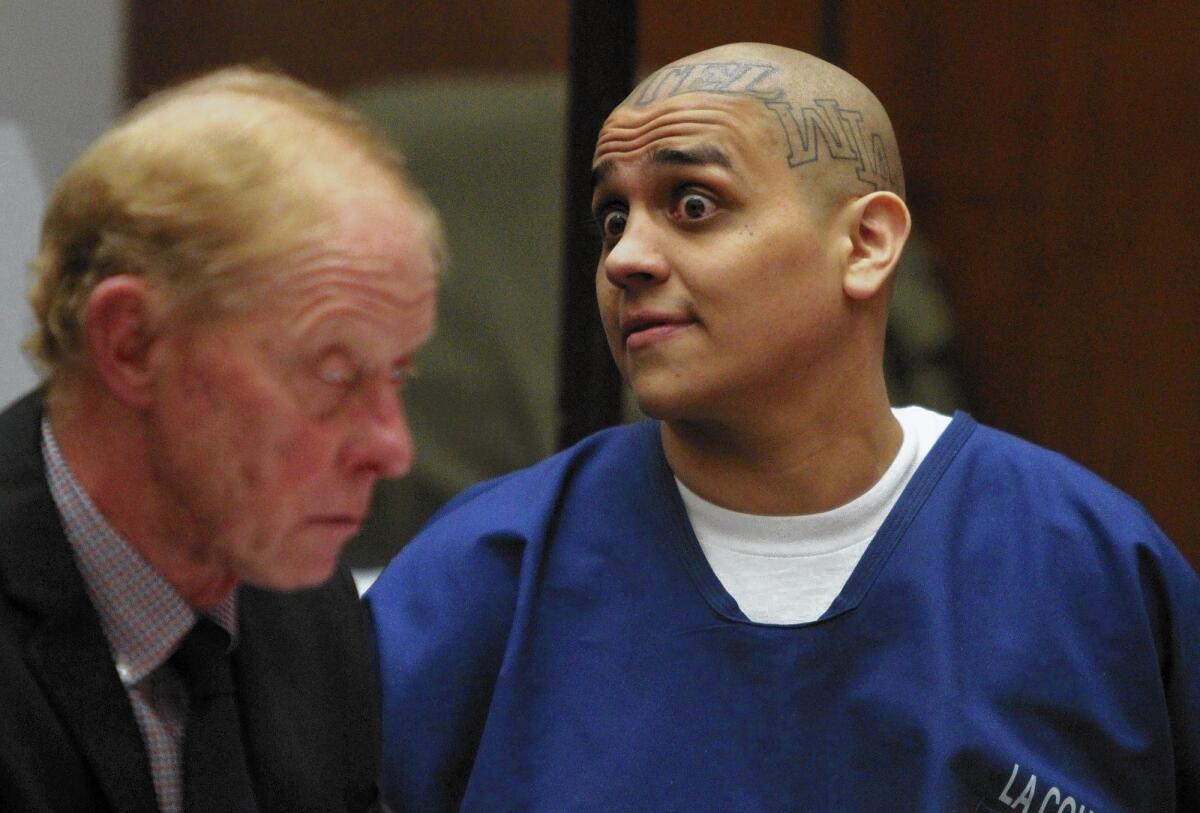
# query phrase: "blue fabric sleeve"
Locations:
[[442, 611], [1172, 595]]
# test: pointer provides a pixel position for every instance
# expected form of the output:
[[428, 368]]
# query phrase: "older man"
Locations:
[[782, 593], [230, 287]]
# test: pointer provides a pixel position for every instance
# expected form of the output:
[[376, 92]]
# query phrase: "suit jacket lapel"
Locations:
[[291, 733], [64, 645], [310, 709], [70, 658]]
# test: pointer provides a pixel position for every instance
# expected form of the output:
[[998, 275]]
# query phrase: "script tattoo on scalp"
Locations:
[[823, 129]]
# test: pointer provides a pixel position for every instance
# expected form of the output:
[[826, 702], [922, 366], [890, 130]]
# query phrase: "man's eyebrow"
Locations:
[[692, 157], [600, 173], [699, 156]]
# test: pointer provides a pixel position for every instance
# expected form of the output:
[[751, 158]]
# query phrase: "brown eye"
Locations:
[[612, 223], [695, 207]]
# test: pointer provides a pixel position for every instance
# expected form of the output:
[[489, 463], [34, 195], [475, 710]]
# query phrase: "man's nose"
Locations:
[[636, 259], [381, 442]]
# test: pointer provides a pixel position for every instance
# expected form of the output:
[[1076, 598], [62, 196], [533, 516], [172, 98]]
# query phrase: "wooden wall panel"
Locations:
[[670, 30], [1048, 155], [343, 44]]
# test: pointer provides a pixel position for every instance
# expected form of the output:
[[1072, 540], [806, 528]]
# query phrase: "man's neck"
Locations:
[[784, 465], [104, 445]]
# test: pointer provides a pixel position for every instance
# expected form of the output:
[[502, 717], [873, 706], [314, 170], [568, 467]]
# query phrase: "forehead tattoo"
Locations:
[[822, 130]]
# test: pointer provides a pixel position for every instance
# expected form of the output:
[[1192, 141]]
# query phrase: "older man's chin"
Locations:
[[307, 558]]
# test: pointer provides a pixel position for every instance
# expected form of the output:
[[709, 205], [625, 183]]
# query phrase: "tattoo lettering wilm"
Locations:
[[823, 129]]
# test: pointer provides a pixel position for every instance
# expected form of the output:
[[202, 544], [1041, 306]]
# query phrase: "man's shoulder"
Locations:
[[20, 434], [482, 536], [1048, 501], [35, 560], [1044, 475], [28, 407], [525, 493]]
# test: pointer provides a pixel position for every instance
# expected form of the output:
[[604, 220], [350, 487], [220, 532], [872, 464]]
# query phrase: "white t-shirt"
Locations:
[[788, 570]]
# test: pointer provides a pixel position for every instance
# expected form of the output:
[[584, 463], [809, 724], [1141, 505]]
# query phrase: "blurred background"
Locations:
[[1049, 147]]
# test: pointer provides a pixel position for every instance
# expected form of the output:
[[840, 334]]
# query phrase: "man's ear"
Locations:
[[120, 330], [879, 228]]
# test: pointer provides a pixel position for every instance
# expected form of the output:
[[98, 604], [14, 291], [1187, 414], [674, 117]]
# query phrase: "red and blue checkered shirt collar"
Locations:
[[142, 615]]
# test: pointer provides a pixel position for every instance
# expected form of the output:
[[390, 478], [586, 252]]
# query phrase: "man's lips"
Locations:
[[647, 327]]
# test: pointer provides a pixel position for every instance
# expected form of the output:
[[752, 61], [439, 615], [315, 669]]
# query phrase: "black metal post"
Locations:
[[831, 44], [603, 60]]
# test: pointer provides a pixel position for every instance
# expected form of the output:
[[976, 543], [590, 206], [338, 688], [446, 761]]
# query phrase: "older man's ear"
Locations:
[[120, 333], [878, 224]]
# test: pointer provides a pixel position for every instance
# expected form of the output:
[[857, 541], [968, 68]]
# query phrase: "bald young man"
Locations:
[[780, 593], [230, 285]]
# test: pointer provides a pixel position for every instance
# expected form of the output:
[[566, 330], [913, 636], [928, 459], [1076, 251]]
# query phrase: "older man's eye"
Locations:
[[403, 372], [337, 371]]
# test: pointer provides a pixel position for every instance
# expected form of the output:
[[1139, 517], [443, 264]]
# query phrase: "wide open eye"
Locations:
[[694, 206], [612, 223]]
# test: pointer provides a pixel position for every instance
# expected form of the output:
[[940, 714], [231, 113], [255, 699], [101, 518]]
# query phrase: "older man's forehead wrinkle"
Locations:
[[320, 259], [329, 284], [381, 284], [385, 311]]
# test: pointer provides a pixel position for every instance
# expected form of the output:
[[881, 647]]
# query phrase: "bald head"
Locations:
[[825, 123], [754, 191]]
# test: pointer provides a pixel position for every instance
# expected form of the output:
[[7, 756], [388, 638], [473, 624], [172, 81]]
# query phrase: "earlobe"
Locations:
[[880, 224], [120, 332]]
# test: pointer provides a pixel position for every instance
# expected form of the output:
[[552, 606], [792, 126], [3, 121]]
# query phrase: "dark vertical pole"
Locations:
[[603, 59], [832, 36]]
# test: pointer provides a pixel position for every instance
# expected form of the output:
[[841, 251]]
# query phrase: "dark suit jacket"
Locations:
[[68, 737]]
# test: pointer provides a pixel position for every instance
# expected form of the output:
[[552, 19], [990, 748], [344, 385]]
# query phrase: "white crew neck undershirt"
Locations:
[[788, 570]]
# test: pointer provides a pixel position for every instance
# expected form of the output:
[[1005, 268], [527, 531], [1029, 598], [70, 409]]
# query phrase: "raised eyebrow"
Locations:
[[700, 156], [600, 173]]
